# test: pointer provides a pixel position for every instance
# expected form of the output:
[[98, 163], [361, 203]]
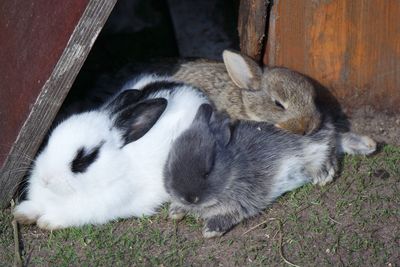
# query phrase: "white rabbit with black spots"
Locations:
[[108, 163]]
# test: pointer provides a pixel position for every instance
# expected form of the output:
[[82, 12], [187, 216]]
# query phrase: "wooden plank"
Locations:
[[352, 47], [251, 26], [45, 47]]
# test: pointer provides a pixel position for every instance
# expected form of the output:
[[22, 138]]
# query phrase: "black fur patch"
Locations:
[[154, 87], [123, 100], [135, 121], [84, 158]]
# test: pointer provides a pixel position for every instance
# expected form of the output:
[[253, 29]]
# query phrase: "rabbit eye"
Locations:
[[279, 105]]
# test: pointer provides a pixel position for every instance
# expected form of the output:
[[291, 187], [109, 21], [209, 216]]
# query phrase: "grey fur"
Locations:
[[225, 172]]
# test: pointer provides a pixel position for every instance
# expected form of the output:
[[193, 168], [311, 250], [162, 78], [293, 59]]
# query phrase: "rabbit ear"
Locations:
[[123, 100], [221, 126], [204, 113], [136, 120], [243, 70]]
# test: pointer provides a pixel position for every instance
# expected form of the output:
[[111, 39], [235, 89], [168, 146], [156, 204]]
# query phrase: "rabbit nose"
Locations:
[[297, 126], [302, 125]]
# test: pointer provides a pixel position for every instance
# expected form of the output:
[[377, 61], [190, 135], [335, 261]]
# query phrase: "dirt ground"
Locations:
[[382, 127]]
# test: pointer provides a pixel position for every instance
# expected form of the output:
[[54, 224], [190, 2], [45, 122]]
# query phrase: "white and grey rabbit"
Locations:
[[225, 172], [108, 163]]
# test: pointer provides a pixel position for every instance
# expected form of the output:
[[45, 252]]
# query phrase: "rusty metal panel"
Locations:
[[44, 48], [33, 34], [350, 46]]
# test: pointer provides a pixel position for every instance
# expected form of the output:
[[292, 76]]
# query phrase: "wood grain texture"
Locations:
[[351, 47], [43, 67], [251, 26]]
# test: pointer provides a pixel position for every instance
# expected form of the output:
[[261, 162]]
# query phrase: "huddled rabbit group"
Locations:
[[221, 140]]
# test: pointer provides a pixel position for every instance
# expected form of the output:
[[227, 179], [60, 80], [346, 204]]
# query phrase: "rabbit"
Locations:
[[243, 89], [224, 171], [107, 163]]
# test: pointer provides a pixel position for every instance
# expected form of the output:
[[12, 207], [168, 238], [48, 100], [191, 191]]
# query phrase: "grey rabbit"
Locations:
[[225, 171]]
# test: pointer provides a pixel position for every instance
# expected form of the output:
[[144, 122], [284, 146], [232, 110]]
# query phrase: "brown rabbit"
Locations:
[[273, 94], [247, 91]]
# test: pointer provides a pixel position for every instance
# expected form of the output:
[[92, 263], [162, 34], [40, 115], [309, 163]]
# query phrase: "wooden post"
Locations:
[[43, 48], [252, 27], [352, 47]]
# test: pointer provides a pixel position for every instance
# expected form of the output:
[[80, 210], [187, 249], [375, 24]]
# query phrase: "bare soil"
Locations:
[[383, 127]]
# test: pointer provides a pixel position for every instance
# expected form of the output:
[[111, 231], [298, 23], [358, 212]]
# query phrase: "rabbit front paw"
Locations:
[[326, 174], [176, 212], [50, 222], [208, 233], [218, 225], [26, 212], [329, 173]]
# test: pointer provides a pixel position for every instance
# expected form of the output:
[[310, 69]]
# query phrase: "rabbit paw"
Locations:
[[49, 222], [218, 225], [329, 174], [326, 174], [26, 212], [355, 144], [176, 213], [208, 233]]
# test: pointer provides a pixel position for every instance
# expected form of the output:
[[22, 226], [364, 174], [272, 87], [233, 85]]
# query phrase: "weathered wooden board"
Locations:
[[252, 27], [43, 46], [350, 46]]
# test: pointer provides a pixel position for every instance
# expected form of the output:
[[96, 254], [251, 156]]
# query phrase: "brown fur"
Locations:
[[212, 77], [257, 103]]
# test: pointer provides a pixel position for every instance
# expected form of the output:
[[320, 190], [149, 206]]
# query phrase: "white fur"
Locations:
[[122, 182], [291, 174]]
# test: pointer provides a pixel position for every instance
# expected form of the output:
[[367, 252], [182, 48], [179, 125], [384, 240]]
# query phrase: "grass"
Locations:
[[353, 221]]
